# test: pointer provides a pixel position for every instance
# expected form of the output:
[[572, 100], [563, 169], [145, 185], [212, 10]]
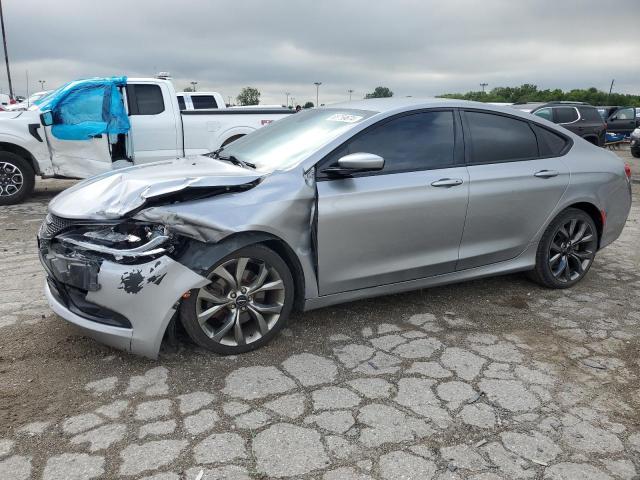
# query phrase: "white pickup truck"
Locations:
[[159, 130]]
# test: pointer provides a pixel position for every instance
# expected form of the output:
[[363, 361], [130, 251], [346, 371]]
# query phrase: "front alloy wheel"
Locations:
[[566, 250], [246, 303]]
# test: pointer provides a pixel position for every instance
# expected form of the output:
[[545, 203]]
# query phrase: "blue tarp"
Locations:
[[84, 108]]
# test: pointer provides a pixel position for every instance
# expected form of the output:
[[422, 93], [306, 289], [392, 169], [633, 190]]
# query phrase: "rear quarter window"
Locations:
[[590, 114], [201, 102], [551, 144]]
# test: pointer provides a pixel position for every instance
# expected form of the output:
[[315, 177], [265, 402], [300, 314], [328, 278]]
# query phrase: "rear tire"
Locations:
[[247, 303], [635, 153], [566, 250], [17, 178]]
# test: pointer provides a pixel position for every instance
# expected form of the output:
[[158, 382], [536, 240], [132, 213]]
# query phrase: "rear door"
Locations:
[[516, 178], [154, 123], [402, 223], [622, 120]]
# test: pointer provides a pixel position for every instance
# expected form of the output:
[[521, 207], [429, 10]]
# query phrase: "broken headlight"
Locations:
[[126, 240]]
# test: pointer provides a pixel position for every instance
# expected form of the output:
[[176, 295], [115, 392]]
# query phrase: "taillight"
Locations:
[[627, 170]]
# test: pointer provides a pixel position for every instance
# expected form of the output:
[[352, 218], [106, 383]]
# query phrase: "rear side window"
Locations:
[[181, 104], [144, 99], [551, 144], [590, 114], [203, 101], [419, 141], [545, 113], [566, 114], [496, 138]]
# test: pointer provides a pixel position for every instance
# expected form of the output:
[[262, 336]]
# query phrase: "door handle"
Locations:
[[447, 182], [546, 173]]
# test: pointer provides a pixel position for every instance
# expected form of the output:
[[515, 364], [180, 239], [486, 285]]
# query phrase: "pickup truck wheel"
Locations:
[[17, 178], [246, 304]]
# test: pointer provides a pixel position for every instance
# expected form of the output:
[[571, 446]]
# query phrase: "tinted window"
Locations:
[[181, 103], [203, 101], [566, 114], [545, 113], [551, 144], [495, 138], [145, 99], [590, 114], [413, 142], [625, 114]]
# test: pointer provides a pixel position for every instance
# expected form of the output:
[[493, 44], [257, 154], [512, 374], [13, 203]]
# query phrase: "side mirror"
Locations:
[[355, 163], [46, 118]]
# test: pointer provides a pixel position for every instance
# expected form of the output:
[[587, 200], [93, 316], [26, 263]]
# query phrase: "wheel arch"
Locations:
[[591, 210], [21, 152], [199, 256]]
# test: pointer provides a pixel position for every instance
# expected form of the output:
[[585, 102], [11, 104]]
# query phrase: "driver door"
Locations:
[[403, 222]]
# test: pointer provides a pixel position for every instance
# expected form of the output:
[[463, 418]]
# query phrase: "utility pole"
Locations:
[[193, 85], [27, 97], [350, 92], [42, 82], [611, 87], [287, 94], [483, 84], [6, 54], [317, 84]]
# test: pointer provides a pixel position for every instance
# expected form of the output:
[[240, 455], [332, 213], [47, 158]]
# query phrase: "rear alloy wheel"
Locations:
[[566, 250], [247, 302], [17, 178]]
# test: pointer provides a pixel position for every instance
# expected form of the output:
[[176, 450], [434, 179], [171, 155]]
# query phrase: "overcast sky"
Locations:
[[414, 47]]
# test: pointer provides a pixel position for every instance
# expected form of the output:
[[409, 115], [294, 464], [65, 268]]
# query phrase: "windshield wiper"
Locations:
[[230, 158]]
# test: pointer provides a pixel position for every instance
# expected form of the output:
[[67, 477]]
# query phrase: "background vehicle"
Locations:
[[200, 100], [620, 119], [327, 206], [635, 143], [159, 130], [26, 103], [577, 117]]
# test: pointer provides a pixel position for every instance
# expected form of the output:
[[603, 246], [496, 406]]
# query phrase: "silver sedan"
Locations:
[[329, 205]]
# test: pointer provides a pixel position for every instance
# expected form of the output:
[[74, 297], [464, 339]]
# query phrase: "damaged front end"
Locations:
[[114, 279]]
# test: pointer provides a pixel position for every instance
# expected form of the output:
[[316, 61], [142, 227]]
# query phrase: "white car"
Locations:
[[28, 102], [157, 130]]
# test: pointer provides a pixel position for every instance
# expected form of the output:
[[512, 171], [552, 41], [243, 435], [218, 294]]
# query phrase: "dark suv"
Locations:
[[580, 118]]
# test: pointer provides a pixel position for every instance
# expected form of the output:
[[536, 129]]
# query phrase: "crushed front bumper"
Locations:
[[125, 306]]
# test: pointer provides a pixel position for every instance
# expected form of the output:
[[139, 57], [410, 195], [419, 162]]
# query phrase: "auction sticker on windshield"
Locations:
[[344, 117]]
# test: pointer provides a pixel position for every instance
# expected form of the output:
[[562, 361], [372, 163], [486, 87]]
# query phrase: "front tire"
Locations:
[[247, 303], [635, 153], [17, 178], [566, 250]]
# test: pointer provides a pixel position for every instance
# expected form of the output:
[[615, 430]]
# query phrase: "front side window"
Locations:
[[625, 114], [418, 141], [497, 138], [566, 114], [201, 102], [545, 113]]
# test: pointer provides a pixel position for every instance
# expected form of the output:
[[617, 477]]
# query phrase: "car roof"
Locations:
[[400, 104]]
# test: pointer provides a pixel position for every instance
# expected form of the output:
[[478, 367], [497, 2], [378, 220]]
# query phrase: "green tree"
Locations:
[[380, 92], [188, 89], [248, 96], [308, 105]]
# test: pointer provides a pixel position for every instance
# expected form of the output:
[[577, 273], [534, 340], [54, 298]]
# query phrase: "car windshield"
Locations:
[[290, 140]]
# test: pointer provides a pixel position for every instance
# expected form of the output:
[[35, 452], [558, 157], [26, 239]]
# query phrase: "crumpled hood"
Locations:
[[114, 194]]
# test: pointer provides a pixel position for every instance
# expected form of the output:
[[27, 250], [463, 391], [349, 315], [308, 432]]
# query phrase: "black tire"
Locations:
[[13, 166], [574, 249], [204, 333], [635, 153]]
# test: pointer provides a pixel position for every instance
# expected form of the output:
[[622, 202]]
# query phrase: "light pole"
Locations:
[[6, 54], [287, 94], [193, 86], [483, 85], [317, 84], [41, 82], [350, 92]]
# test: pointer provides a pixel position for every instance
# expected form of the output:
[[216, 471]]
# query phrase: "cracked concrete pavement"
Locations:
[[486, 380]]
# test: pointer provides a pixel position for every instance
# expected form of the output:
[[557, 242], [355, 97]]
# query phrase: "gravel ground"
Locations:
[[491, 379]]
